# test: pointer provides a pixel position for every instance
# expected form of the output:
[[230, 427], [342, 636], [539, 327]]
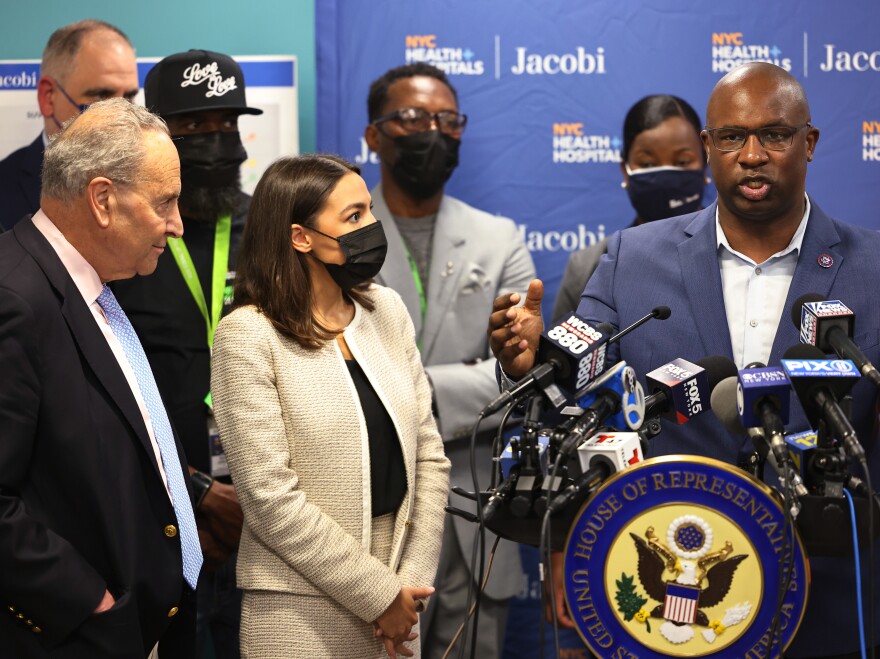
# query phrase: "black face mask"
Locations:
[[660, 192], [424, 162], [364, 251], [210, 160]]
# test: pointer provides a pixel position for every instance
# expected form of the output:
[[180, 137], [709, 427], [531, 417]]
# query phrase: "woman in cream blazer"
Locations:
[[322, 575]]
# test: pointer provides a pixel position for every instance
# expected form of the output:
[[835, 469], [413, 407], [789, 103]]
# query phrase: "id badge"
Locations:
[[219, 467]]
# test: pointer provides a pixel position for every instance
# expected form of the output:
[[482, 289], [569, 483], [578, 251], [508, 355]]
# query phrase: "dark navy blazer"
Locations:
[[674, 262]]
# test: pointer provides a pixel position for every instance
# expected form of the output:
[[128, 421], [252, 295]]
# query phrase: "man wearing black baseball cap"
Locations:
[[200, 94]]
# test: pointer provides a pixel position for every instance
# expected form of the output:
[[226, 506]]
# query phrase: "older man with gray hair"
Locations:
[[98, 541]]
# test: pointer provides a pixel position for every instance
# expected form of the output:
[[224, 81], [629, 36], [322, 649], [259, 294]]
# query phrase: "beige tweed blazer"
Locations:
[[296, 441]]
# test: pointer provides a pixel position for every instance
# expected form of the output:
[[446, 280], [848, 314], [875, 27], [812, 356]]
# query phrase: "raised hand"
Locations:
[[514, 331]]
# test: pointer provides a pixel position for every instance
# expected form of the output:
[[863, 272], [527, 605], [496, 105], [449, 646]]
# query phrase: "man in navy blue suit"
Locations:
[[730, 274], [83, 62]]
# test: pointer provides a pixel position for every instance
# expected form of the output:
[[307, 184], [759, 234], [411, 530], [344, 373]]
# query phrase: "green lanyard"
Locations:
[[218, 280], [423, 303]]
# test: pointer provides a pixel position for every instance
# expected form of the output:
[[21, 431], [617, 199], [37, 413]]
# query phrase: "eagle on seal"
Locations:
[[716, 568]]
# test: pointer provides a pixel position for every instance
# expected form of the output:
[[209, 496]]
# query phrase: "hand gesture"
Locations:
[[514, 331]]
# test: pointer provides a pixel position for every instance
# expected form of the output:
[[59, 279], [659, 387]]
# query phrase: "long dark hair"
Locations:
[[270, 274], [652, 111]]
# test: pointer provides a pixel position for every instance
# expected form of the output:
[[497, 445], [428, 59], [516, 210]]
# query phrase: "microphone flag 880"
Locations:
[[577, 349], [817, 319], [756, 384], [686, 386]]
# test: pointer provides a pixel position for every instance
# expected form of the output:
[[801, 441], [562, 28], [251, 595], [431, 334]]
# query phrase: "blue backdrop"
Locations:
[[546, 84]]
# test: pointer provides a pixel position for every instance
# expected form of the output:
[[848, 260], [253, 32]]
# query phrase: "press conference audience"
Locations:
[[730, 275], [664, 176], [325, 414], [83, 62]]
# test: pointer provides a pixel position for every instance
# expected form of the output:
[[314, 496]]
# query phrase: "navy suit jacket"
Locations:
[[674, 262], [82, 504], [20, 175]]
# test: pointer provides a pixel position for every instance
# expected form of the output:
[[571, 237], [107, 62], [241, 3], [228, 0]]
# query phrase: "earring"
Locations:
[[623, 184]]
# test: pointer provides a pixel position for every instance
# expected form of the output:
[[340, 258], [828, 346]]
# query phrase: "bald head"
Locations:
[[760, 79], [759, 140], [84, 62]]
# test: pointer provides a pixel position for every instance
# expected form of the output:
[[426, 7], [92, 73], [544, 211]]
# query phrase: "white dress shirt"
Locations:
[[754, 293], [89, 285]]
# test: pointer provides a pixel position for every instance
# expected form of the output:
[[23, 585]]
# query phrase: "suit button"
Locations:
[[36, 630], [171, 530], [173, 612]]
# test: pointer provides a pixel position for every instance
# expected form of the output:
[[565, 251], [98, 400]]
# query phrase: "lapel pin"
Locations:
[[448, 270], [825, 260]]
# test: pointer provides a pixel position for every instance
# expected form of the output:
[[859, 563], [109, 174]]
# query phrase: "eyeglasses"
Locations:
[[417, 120], [82, 106], [773, 138]]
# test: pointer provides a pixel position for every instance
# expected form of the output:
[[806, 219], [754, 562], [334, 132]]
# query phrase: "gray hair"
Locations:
[[110, 144], [65, 42]]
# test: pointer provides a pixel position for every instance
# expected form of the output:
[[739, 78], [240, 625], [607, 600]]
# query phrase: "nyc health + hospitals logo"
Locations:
[[452, 60], [572, 143], [871, 141], [733, 49]]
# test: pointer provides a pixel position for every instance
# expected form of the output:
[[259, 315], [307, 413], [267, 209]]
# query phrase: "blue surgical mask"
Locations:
[[660, 192]]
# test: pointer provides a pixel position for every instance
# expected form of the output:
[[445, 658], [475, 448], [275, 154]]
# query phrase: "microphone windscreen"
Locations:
[[661, 313], [718, 368], [723, 402], [803, 351]]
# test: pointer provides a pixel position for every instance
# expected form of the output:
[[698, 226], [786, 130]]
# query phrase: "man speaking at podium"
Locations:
[[730, 274]]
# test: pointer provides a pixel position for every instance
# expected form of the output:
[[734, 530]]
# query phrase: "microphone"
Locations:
[[762, 397], [570, 354], [680, 390], [660, 313], [828, 325], [818, 383], [725, 408], [616, 399], [621, 380], [600, 456], [617, 390]]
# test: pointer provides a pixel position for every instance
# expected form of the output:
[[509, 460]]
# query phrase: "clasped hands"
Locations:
[[219, 521], [394, 627]]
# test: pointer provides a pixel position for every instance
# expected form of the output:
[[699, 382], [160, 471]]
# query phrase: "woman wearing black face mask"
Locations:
[[664, 174], [325, 414]]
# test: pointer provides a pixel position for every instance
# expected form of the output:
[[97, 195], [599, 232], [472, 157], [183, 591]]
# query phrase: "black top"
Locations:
[[387, 472], [174, 333]]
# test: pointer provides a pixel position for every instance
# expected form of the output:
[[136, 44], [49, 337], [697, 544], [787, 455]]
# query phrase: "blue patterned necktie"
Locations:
[[137, 359]]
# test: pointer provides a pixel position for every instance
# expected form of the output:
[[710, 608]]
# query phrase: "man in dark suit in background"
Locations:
[[83, 62], [98, 541]]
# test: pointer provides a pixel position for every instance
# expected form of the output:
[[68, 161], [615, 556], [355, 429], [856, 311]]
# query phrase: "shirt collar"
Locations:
[[794, 244], [81, 271]]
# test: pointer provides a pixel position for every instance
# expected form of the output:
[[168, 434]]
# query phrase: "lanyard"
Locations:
[[218, 279], [423, 303]]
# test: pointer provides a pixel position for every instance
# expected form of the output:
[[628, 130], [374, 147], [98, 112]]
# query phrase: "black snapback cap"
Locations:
[[196, 81]]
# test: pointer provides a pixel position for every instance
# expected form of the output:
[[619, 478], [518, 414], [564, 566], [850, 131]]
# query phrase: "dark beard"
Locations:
[[209, 204]]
